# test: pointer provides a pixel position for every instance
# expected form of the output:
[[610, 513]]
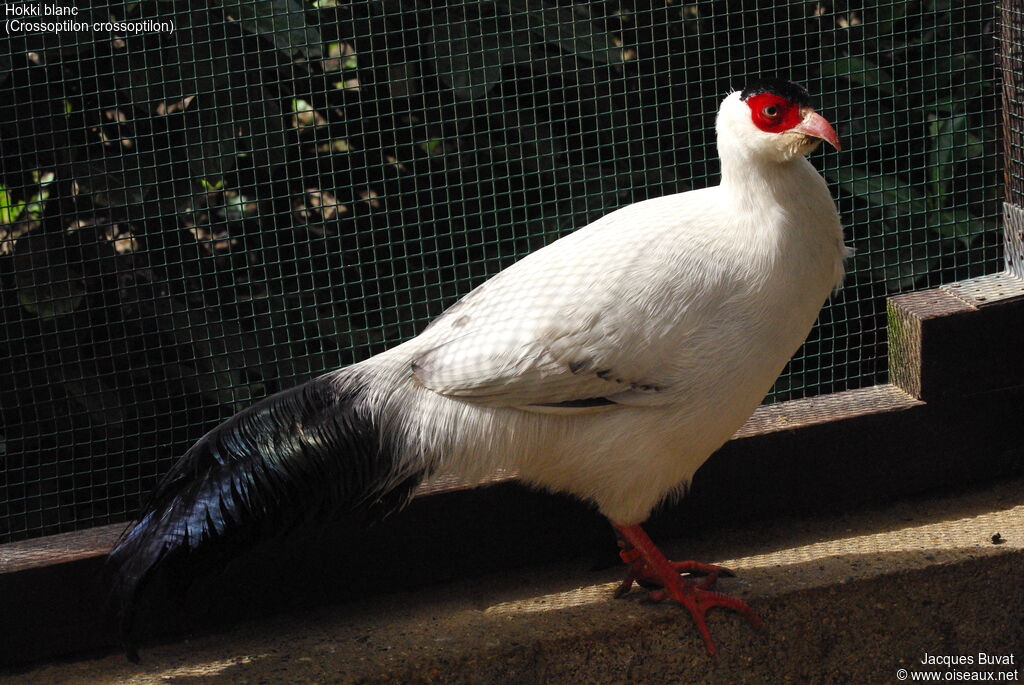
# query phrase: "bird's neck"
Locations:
[[754, 179]]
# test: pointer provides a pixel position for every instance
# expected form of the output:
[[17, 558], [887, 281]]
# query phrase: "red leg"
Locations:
[[649, 565]]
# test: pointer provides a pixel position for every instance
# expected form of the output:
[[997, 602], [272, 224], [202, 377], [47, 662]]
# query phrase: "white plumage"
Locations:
[[609, 364], [681, 310]]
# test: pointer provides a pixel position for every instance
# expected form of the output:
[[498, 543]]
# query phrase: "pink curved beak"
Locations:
[[816, 126]]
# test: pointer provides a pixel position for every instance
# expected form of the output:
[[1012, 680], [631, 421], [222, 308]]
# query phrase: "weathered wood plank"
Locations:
[[958, 340]]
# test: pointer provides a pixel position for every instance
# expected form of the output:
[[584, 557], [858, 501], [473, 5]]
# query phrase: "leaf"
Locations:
[[881, 190], [264, 130], [861, 71], [894, 255], [161, 69], [571, 28], [283, 22], [50, 292], [10, 209], [212, 135], [116, 180], [959, 223], [947, 139], [179, 84], [467, 62], [434, 146], [887, 14], [218, 348], [959, 76], [47, 286], [887, 193], [911, 264], [82, 383]]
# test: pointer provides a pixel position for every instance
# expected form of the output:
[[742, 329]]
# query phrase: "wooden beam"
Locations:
[[961, 339], [1010, 59], [1013, 239]]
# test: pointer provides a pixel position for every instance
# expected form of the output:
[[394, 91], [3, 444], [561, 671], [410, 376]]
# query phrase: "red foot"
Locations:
[[648, 566]]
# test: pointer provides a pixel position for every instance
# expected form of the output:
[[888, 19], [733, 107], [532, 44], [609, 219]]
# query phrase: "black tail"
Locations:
[[302, 455]]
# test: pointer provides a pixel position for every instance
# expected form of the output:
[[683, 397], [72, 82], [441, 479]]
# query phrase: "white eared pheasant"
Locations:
[[608, 365]]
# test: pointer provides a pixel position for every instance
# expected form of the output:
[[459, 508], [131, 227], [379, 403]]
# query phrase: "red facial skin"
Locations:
[[772, 113]]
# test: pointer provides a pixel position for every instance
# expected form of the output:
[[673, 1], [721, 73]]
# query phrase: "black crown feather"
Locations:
[[793, 92]]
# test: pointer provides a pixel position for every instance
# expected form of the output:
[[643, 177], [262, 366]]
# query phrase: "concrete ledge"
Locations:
[[849, 598]]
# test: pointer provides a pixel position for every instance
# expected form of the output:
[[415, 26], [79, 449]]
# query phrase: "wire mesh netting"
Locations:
[[204, 202]]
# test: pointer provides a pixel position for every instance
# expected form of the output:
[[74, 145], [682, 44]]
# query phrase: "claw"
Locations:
[[649, 568], [711, 572], [622, 590], [698, 569]]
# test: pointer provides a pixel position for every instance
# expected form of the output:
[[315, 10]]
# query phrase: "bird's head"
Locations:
[[773, 119]]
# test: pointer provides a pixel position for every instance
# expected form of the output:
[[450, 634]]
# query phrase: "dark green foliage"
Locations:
[[193, 220], [923, 75]]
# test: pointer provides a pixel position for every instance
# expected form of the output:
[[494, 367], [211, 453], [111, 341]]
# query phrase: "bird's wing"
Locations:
[[589, 321]]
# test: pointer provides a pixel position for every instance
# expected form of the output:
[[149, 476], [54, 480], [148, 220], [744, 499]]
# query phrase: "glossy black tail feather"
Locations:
[[304, 455]]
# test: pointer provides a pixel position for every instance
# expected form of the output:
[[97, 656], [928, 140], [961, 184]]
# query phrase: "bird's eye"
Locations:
[[771, 111]]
